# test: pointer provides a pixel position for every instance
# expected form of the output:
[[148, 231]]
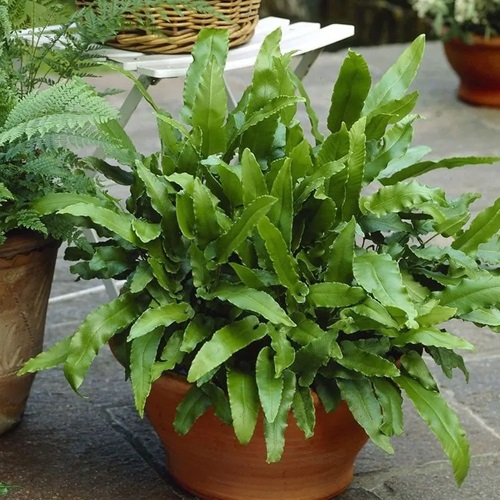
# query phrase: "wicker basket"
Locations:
[[174, 32]]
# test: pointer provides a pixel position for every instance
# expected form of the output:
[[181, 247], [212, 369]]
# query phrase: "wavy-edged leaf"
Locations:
[[284, 264], [304, 411], [223, 344], [349, 93], [255, 301], [470, 295], [198, 329], [340, 259], [380, 276], [391, 402], [365, 362], [396, 81], [375, 311], [489, 317], [210, 44], [269, 385], [489, 252], [395, 144], [328, 393], [210, 108], [49, 358], [205, 214], [142, 357], [417, 368], [190, 409], [281, 213], [442, 421], [401, 197], [448, 360], [484, 226], [244, 402], [162, 316], [274, 432], [252, 178], [95, 331], [365, 408], [228, 243], [157, 189], [285, 352], [331, 294], [423, 167]]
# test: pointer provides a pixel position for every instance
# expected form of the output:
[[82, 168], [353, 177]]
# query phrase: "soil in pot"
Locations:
[[210, 462], [27, 264]]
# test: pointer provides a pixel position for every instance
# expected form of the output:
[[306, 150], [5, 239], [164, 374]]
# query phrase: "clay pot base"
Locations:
[[479, 96], [209, 462]]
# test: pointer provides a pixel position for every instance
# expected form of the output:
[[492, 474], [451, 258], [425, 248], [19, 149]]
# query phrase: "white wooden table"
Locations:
[[306, 40]]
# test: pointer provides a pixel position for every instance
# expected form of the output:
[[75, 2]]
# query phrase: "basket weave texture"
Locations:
[[172, 31]]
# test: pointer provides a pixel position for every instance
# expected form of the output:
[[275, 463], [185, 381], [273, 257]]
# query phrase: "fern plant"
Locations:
[[255, 259], [47, 113]]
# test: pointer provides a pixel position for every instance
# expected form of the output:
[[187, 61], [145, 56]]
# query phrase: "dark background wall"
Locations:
[[376, 21]]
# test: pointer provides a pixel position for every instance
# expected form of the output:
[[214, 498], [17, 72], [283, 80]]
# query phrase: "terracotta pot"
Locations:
[[478, 67], [27, 264], [210, 462]]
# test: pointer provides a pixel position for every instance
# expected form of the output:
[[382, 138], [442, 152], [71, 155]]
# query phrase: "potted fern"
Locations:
[[37, 129], [282, 296]]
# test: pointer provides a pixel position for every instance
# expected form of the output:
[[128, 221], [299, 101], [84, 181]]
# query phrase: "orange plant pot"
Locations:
[[210, 462], [478, 67], [27, 264]]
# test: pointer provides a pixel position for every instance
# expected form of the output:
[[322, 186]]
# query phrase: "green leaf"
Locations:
[[304, 411], [270, 387], [340, 259], [489, 252], [119, 223], [220, 402], [205, 214], [442, 421], [198, 329], [224, 246], [95, 331], [210, 108], [190, 409], [484, 226], [163, 316], [365, 362], [432, 337], [274, 432], [416, 367], [395, 144], [489, 317], [469, 294], [285, 353], [328, 392], [157, 189], [356, 164], [375, 311], [252, 178], [448, 360], [349, 93], [281, 213], [401, 197], [172, 353], [223, 344], [56, 201], [284, 264], [421, 168], [334, 295], [244, 402], [50, 358], [380, 276], [255, 301], [142, 357], [211, 44], [141, 278], [391, 402], [396, 81], [365, 408]]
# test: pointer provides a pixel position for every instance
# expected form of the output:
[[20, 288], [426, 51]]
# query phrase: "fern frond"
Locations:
[[69, 105]]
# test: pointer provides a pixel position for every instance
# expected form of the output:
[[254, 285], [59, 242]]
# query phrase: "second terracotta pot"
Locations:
[[210, 462], [26, 270], [478, 67]]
